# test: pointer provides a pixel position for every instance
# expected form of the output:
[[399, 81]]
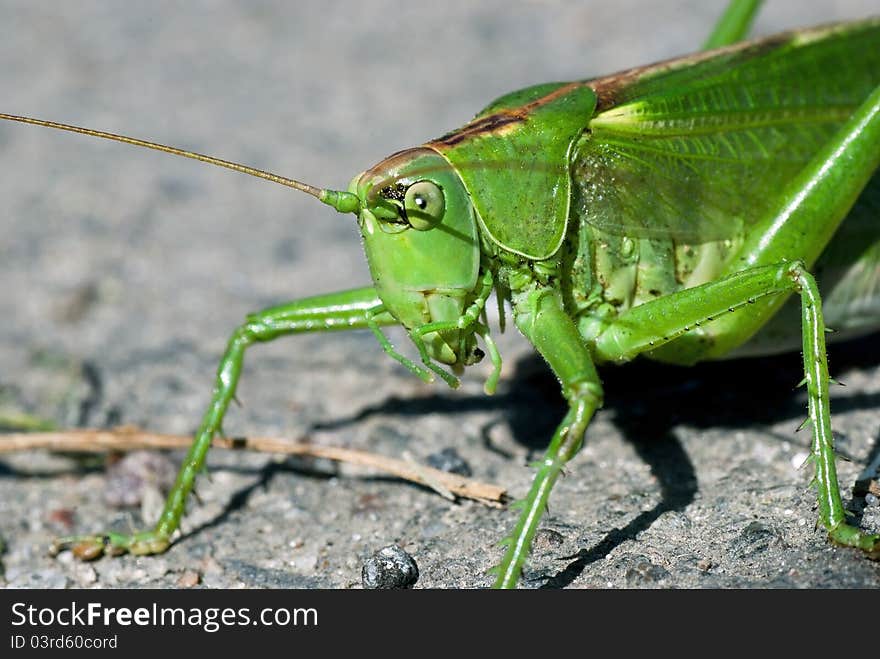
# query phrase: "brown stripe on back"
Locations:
[[608, 88], [500, 122], [494, 124]]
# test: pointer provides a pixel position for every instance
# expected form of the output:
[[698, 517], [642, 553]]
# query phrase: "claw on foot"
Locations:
[[91, 547], [850, 536]]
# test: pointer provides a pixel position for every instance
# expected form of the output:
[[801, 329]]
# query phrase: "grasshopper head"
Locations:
[[420, 237]]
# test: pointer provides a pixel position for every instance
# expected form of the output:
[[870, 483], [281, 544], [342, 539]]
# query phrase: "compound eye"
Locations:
[[424, 205]]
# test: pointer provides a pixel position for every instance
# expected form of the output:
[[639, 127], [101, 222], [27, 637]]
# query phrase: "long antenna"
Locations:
[[344, 202]]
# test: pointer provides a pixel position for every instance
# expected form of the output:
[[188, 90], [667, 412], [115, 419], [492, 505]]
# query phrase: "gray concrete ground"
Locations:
[[123, 272]]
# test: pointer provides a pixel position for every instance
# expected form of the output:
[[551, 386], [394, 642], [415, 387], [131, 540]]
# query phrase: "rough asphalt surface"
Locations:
[[123, 273]]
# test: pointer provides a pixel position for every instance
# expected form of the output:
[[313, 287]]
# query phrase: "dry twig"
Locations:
[[130, 439]]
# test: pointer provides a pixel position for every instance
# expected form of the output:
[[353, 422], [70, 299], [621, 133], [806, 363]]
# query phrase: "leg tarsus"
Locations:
[[847, 535], [491, 383], [91, 547]]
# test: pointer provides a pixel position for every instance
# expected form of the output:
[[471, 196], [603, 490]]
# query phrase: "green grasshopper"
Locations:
[[666, 211]]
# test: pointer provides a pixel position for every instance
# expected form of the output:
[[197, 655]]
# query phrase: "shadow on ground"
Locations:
[[647, 401]]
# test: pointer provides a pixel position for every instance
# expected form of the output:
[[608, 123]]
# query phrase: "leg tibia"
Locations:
[[566, 442]]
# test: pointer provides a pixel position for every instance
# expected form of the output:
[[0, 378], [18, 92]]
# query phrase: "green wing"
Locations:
[[697, 148]]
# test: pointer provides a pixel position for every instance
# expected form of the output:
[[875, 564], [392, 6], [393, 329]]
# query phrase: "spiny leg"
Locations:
[[659, 322], [359, 308], [540, 316], [809, 212], [831, 512]]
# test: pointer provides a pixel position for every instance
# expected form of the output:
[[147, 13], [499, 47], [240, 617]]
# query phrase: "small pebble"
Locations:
[[389, 568], [368, 502], [63, 517], [547, 540], [450, 461], [643, 572], [189, 579], [755, 539], [85, 574]]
